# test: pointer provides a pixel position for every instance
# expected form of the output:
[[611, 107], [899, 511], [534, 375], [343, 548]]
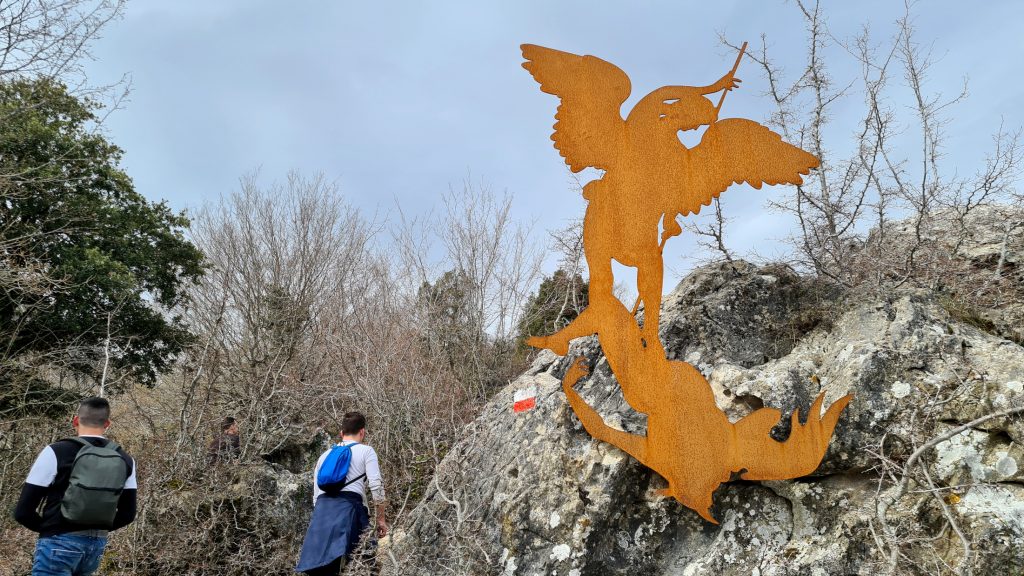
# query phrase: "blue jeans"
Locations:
[[68, 555]]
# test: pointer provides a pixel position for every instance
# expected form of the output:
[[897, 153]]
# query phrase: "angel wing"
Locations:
[[734, 151], [589, 124]]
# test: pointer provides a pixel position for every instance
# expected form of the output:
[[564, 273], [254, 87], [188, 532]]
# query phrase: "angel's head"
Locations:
[[688, 111]]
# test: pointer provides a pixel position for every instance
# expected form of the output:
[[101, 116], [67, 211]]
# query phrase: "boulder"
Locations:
[[532, 493]]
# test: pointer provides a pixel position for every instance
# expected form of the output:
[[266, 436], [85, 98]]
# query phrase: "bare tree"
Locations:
[[567, 243], [877, 183], [711, 235], [50, 40], [51, 37], [499, 255], [488, 263], [286, 269], [302, 316]]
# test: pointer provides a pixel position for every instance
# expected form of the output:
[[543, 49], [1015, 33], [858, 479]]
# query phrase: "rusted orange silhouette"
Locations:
[[651, 178]]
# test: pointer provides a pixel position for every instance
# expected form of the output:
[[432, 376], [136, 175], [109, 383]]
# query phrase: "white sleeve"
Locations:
[[44, 469], [316, 472], [373, 476], [132, 483]]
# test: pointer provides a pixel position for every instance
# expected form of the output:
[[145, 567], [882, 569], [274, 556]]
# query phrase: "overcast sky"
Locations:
[[399, 101]]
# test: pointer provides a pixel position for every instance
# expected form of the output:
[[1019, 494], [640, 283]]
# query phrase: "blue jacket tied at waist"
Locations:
[[338, 521]]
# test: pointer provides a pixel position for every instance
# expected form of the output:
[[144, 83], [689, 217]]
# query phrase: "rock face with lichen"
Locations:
[[531, 493], [987, 249]]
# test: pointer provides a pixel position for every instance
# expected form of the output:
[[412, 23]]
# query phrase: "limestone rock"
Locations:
[[531, 493]]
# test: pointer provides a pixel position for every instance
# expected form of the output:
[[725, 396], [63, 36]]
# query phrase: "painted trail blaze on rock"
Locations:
[[650, 179], [524, 399]]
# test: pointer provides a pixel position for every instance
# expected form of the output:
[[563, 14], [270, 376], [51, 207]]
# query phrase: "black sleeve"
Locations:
[[126, 506], [213, 450], [26, 511]]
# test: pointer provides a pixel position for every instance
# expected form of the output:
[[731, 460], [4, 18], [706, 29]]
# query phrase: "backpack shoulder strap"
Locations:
[[79, 440], [361, 476], [340, 447], [86, 444]]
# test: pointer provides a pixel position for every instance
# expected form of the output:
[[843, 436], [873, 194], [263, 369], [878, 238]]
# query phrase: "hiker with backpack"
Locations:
[[340, 479], [86, 487]]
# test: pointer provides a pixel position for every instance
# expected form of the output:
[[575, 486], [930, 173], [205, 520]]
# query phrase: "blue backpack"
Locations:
[[331, 477]]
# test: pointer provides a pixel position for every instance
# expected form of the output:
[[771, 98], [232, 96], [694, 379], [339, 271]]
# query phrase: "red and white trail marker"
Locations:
[[524, 399]]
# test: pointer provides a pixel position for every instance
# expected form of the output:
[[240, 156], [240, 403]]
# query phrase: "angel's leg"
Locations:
[[599, 248], [583, 325], [648, 281], [599, 293]]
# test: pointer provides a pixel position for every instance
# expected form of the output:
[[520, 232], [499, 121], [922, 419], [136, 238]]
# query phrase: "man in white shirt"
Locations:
[[64, 547], [340, 517]]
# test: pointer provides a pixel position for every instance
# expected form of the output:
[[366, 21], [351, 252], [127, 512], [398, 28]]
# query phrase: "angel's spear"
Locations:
[[731, 74], [735, 66]]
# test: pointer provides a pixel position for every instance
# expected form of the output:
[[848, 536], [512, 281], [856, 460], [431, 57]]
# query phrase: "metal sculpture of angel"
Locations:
[[650, 177]]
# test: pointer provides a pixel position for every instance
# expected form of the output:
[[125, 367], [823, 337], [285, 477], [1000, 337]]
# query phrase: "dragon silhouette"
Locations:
[[650, 179]]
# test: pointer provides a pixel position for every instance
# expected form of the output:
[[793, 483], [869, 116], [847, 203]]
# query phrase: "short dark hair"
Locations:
[[353, 422], [93, 412], [226, 423]]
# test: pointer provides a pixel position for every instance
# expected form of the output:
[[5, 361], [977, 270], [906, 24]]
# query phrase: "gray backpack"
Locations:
[[97, 479]]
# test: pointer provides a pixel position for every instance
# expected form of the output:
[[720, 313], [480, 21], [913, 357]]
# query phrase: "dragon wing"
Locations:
[[736, 150], [589, 124]]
